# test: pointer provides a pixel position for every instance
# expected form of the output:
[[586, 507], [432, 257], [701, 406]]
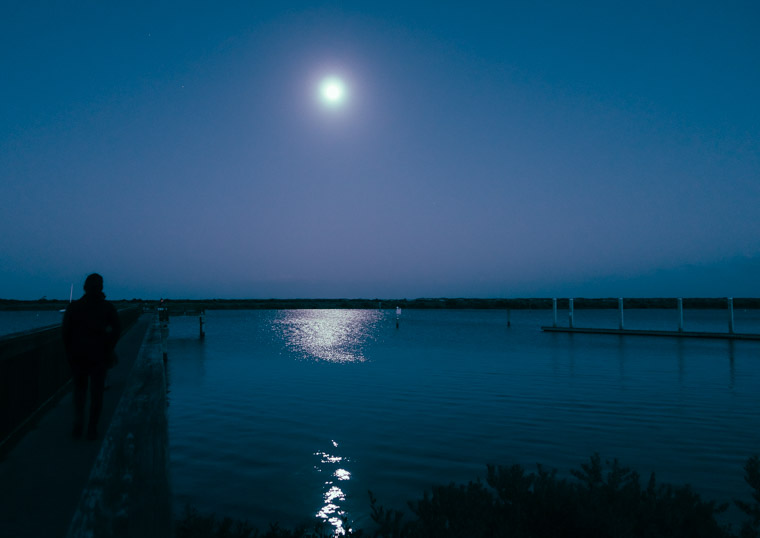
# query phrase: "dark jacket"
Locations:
[[91, 329]]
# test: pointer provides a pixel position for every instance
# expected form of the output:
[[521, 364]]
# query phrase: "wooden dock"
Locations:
[[648, 332], [164, 313]]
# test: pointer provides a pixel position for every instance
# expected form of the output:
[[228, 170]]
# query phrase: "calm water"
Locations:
[[18, 321], [290, 415]]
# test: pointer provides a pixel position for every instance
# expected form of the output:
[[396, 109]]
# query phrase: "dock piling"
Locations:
[[570, 313], [620, 308], [554, 307], [164, 330], [730, 334], [163, 322]]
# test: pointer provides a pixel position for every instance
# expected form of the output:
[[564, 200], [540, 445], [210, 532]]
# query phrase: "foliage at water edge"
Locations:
[[604, 500]]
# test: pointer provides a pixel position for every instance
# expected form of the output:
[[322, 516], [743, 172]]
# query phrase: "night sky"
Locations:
[[504, 149]]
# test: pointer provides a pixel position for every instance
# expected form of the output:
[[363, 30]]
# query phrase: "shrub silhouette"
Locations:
[[751, 528], [196, 525], [605, 501], [601, 500]]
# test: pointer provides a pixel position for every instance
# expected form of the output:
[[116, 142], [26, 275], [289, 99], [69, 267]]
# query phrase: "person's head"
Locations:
[[93, 283]]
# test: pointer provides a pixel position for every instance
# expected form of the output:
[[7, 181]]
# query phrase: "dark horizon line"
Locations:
[[423, 302], [437, 298]]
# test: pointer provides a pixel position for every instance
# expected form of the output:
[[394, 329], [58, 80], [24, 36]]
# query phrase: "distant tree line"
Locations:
[[454, 303], [423, 303]]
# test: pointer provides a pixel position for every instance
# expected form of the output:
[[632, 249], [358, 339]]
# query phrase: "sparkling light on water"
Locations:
[[332, 512], [329, 335], [435, 400]]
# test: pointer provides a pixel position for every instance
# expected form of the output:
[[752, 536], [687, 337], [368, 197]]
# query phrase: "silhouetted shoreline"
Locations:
[[422, 303]]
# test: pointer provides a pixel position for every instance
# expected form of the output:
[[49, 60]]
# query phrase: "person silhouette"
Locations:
[[91, 329]]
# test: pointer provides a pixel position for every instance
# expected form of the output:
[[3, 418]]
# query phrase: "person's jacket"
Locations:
[[91, 329]]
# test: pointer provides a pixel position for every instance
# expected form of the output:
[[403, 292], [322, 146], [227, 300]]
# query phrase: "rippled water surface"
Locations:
[[292, 415]]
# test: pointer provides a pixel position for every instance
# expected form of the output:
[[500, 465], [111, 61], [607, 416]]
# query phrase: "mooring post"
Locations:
[[163, 327], [680, 315], [164, 330], [570, 312], [620, 308], [202, 320], [398, 315], [509, 317], [554, 307], [731, 315]]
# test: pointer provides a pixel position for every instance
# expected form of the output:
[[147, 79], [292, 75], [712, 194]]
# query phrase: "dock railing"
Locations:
[[34, 372], [621, 330]]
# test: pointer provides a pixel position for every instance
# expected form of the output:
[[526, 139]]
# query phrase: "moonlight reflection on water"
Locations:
[[328, 335], [309, 409], [333, 496], [337, 336]]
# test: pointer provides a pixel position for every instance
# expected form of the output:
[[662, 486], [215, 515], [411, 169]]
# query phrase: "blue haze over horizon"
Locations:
[[505, 149]]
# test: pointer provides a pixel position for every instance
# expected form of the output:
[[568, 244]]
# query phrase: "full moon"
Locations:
[[333, 90]]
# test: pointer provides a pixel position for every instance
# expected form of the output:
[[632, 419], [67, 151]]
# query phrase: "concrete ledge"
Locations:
[[636, 332], [128, 491]]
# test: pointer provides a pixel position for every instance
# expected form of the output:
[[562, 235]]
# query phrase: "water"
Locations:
[[12, 321], [292, 415]]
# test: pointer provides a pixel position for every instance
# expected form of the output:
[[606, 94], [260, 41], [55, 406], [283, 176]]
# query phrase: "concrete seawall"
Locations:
[[128, 491], [34, 371]]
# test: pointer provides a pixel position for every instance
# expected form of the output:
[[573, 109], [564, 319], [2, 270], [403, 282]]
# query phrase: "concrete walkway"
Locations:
[[42, 477]]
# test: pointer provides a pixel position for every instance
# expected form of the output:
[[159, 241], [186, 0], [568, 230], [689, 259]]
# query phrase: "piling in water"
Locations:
[[570, 313], [621, 324], [554, 308]]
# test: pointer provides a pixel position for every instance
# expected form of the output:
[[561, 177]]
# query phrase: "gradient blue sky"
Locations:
[[499, 149]]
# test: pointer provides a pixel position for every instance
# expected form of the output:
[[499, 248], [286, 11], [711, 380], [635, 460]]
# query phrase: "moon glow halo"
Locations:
[[332, 90]]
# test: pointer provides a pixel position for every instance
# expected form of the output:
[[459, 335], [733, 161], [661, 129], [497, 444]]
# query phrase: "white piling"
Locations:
[[620, 308], [554, 307], [680, 315], [730, 315], [202, 321], [570, 312]]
